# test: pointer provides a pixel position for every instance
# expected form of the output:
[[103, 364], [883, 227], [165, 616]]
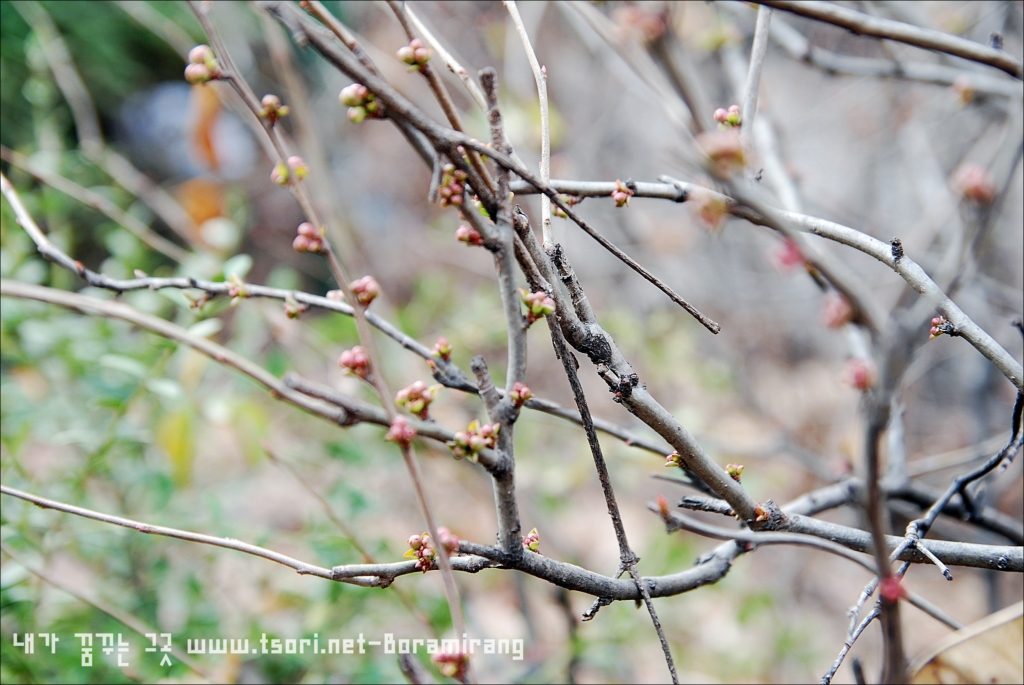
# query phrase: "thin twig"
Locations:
[[540, 76], [757, 53], [627, 558], [879, 27], [99, 203]]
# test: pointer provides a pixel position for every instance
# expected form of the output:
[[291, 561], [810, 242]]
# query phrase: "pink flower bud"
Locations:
[[406, 54], [301, 243], [468, 235], [365, 289], [673, 459], [415, 541], [724, 150], [891, 589], [198, 73], [621, 194], [975, 183], [720, 115], [201, 54], [443, 349], [354, 95], [448, 540], [860, 373], [298, 166], [355, 361], [520, 394], [401, 431], [531, 540], [788, 255], [836, 311]]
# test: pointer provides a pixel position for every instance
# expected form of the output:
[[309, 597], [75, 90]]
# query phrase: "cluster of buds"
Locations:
[[940, 325], [453, 183], [308, 238], [356, 362], [860, 373], [453, 666], [202, 65], [531, 541], [415, 54], [520, 393], [272, 108], [728, 118], [400, 431], [442, 349], [570, 200], [538, 304], [621, 194], [237, 290], [975, 183], [469, 235], [360, 102], [365, 289], [417, 398], [725, 150], [788, 255], [422, 548], [734, 471], [474, 439], [836, 311], [674, 459], [293, 309], [282, 172]]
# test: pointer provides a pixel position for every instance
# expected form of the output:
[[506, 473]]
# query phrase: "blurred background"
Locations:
[[98, 414]]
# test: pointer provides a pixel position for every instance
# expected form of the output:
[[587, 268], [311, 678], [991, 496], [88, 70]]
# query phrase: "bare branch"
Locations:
[[757, 53], [867, 25]]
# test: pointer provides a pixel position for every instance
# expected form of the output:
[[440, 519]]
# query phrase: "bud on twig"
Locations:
[[417, 398], [202, 66], [415, 54], [531, 541], [442, 349], [298, 167], [728, 118], [836, 311], [308, 239], [538, 305], [400, 431], [356, 362], [469, 235], [860, 373], [474, 439], [940, 325], [520, 393], [674, 459], [272, 108], [725, 150], [734, 471], [365, 289], [621, 194], [975, 183]]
